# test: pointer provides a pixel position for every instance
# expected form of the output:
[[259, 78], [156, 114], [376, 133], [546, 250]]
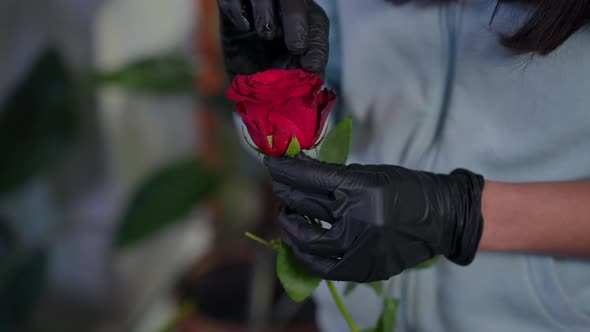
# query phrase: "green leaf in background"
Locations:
[[8, 240], [165, 74], [336, 145], [22, 280], [349, 287], [294, 148], [427, 264], [388, 319], [376, 286], [297, 282], [37, 122], [165, 198]]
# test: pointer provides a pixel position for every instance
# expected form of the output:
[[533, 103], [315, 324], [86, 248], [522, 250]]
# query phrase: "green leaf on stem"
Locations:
[[164, 198], [336, 145], [270, 140], [388, 319], [426, 264], [297, 282], [294, 148]]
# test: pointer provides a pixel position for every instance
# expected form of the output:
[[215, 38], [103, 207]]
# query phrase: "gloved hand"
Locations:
[[383, 218], [257, 35]]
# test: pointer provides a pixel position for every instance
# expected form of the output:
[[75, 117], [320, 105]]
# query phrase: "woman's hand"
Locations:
[[257, 35], [383, 219]]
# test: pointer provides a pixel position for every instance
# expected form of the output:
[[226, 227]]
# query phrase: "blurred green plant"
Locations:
[[37, 125], [336, 145], [164, 198], [388, 318], [174, 190], [37, 122], [155, 75], [162, 75], [377, 286], [22, 279]]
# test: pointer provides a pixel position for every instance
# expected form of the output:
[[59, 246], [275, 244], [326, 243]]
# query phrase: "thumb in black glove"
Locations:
[[383, 218], [257, 35]]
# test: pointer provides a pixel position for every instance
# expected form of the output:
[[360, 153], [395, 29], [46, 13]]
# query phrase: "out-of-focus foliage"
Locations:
[[167, 74], [36, 122], [22, 279], [158, 75], [336, 145], [164, 198]]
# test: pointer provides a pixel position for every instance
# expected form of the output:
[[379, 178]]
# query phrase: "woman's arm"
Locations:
[[547, 218]]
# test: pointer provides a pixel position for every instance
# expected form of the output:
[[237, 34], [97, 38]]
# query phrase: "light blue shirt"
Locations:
[[431, 88]]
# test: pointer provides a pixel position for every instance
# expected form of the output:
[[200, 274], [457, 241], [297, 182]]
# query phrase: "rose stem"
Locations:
[[259, 240], [340, 304]]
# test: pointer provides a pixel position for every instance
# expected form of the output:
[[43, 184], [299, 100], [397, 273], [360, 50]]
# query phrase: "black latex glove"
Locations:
[[257, 35], [383, 218]]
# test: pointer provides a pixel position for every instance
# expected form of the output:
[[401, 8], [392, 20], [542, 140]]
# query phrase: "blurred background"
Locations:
[[125, 188]]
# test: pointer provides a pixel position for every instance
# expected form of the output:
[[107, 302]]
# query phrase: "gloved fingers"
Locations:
[[237, 59], [295, 24], [315, 58], [235, 12], [312, 205], [265, 23], [334, 268], [318, 265], [317, 240], [311, 237], [364, 259], [307, 175]]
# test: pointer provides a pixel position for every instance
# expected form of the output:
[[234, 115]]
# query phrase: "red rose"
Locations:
[[278, 106]]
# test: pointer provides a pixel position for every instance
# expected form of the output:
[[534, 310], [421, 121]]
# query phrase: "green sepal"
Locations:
[[294, 148]]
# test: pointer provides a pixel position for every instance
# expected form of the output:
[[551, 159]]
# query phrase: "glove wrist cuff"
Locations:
[[469, 217]]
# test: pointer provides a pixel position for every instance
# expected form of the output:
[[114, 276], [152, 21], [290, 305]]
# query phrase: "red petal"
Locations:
[[273, 86], [256, 128], [299, 117], [282, 103]]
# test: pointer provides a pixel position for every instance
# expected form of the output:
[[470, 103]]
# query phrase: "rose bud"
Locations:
[[284, 110]]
